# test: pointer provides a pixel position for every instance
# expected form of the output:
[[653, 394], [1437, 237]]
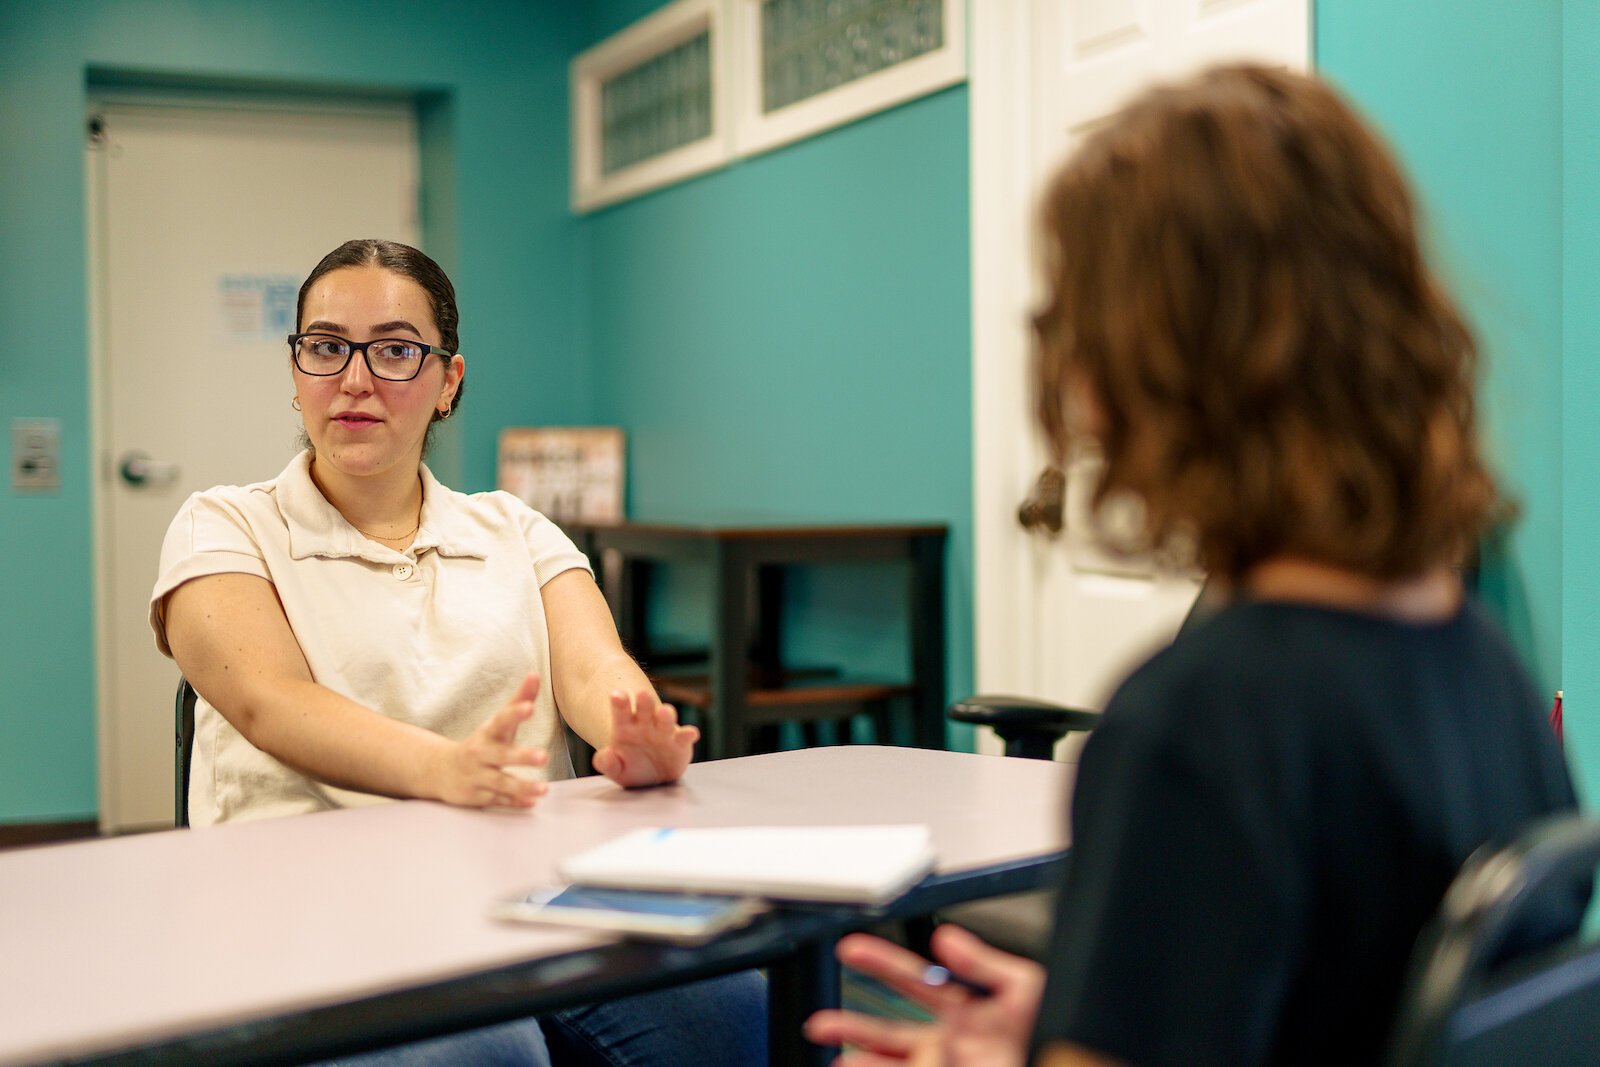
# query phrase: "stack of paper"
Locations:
[[846, 864]]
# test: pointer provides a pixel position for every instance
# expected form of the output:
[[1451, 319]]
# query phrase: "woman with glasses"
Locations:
[[1239, 315], [355, 630]]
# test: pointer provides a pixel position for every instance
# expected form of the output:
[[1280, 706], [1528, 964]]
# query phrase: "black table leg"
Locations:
[[767, 651], [796, 987], [730, 647], [927, 640], [631, 606]]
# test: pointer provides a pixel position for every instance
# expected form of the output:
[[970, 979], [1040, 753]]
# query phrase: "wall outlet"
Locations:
[[35, 454]]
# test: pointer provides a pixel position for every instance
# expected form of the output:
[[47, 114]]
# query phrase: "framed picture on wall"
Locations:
[[565, 472]]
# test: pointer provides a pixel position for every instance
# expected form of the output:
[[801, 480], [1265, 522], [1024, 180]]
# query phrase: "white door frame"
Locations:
[[1001, 144], [99, 463], [1004, 135]]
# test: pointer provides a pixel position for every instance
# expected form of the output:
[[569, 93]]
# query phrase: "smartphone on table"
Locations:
[[682, 918]]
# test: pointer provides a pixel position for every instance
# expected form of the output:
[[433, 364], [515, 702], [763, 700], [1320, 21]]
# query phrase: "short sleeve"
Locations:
[[1179, 925], [207, 536], [550, 549]]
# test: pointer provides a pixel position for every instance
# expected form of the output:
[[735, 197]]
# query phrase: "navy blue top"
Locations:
[[1267, 815]]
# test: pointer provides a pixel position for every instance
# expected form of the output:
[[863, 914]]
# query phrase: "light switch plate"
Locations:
[[35, 454]]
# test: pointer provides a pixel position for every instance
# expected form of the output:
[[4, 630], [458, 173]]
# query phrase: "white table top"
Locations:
[[119, 942]]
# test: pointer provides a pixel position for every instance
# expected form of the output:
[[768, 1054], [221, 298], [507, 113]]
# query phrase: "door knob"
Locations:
[[140, 471], [1045, 507]]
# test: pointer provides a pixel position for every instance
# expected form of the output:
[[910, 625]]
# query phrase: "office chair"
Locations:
[[1475, 993], [184, 715], [1021, 924], [1029, 728]]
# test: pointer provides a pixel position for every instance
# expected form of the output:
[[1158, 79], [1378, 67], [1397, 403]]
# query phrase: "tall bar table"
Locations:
[[747, 685]]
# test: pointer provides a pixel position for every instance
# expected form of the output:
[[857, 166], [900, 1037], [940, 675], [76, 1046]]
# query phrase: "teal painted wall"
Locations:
[[495, 128], [1580, 634], [1495, 108], [791, 337], [1469, 91]]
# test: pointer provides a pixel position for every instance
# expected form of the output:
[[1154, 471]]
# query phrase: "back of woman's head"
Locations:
[[1235, 278]]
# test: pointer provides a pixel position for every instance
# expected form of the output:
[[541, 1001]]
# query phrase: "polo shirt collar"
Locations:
[[317, 529], [446, 525]]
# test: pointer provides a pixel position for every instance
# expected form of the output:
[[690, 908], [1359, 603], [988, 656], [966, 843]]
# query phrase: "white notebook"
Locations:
[[846, 864]]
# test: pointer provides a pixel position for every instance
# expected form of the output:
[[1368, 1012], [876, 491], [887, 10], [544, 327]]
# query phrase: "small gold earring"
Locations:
[[444, 413], [295, 403]]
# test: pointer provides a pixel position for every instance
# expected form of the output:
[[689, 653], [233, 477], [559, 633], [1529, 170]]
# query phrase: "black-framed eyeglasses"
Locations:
[[394, 359]]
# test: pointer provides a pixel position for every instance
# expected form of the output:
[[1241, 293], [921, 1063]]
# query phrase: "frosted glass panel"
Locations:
[[662, 104], [811, 46]]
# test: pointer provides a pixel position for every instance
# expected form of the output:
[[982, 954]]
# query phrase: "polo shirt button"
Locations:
[[403, 571]]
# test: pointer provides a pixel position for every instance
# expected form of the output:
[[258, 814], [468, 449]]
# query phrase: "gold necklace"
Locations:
[[396, 537], [392, 537]]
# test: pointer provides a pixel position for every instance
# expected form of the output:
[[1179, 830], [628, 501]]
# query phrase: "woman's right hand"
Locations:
[[967, 1030], [472, 772]]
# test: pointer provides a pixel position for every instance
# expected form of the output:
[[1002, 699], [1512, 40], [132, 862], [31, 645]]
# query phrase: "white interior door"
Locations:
[[1057, 617], [204, 220]]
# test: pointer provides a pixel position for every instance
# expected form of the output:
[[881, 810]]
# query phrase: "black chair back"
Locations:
[[1504, 975], [184, 715]]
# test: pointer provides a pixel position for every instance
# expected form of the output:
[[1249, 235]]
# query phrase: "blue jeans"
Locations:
[[720, 1020]]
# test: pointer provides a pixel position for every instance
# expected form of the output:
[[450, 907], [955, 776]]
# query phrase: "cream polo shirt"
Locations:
[[440, 635]]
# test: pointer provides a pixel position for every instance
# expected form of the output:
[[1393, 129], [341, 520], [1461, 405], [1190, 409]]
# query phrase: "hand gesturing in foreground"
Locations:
[[967, 1031], [473, 773], [647, 747]]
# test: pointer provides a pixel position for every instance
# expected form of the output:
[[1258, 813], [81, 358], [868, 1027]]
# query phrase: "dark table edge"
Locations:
[[524, 989]]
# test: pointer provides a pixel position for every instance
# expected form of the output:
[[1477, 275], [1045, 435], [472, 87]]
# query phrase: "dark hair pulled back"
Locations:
[[407, 262]]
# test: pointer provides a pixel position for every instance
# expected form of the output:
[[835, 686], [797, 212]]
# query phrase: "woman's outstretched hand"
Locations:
[[647, 747], [472, 772], [967, 1031]]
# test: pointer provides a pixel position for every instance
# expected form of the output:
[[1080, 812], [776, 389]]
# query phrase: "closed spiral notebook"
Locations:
[[843, 864]]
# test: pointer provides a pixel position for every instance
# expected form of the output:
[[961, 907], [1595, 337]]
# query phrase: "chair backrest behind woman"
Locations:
[[183, 709], [1499, 976]]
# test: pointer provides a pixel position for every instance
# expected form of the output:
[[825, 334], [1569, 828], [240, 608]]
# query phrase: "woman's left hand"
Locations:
[[647, 747]]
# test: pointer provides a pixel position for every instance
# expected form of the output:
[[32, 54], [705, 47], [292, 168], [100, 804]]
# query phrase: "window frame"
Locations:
[[758, 131], [739, 126], [652, 36]]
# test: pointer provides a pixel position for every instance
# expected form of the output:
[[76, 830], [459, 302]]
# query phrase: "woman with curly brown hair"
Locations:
[[1241, 319]]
